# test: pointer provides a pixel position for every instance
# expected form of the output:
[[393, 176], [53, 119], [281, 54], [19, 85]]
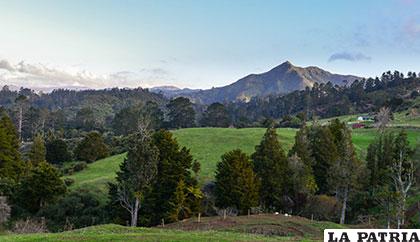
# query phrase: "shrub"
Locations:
[[76, 210], [323, 207]]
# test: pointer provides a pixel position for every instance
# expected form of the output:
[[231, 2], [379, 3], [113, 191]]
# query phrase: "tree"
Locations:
[[38, 151], [402, 174], [271, 166], [379, 159], [136, 174], [57, 152], [21, 102], [382, 118], [91, 148], [181, 113], [41, 186], [127, 120], [302, 180], [174, 165], [345, 170], [324, 154], [216, 115], [236, 183], [11, 165]]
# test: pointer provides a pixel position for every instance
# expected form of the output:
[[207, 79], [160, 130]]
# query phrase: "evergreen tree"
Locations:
[[324, 154], [41, 186], [271, 166], [181, 113], [11, 165], [236, 183], [38, 152], [136, 174], [92, 148], [174, 165]]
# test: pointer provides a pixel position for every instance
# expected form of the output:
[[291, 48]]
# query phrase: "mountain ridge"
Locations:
[[282, 79]]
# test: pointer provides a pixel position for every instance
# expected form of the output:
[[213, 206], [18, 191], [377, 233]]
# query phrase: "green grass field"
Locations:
[[207, 145], [264, 227], [112, 232]]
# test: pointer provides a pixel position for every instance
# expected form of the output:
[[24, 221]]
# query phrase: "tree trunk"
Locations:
[[20, 122], [135, 213], [344, 207]]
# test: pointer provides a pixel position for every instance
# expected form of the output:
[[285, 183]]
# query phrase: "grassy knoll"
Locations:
[[207, 145], [265, 227]]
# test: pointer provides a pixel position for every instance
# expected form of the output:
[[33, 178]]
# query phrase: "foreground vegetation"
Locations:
[[240, 228]]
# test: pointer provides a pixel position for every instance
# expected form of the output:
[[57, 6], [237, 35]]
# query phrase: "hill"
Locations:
[[241, 228], [282, 79], [218, 141]]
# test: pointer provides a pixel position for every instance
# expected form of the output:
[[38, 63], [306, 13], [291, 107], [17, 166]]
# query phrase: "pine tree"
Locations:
[[174, 164], [324, 153], [271, 166], [38, 152], [136, 174], [11, 165], [236, 183]]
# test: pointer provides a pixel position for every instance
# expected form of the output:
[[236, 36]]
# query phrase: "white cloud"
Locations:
[[349, 57], [40, 76]]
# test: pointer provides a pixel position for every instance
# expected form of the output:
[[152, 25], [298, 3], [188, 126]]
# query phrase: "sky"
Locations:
[[197, 43]]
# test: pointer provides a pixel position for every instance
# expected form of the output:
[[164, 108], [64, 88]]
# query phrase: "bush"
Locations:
[[76, 210], [323, 207]]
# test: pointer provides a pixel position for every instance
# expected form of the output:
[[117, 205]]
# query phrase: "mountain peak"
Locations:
[[287, 64]]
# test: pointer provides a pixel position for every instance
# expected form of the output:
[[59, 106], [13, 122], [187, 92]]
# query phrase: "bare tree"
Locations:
[[383, 118], [403, 179], [20, 101]]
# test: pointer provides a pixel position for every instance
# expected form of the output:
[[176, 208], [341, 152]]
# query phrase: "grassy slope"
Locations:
[[119, 233], [207, 145], [241, 228]]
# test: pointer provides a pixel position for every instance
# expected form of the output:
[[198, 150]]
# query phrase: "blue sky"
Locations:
[[200, 44]]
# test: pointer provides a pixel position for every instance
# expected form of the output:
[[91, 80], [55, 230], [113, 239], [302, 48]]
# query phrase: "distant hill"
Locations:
[[172, 91], [281, 79]]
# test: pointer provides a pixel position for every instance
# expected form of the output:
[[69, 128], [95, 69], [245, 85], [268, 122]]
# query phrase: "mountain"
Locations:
[[173, 91], [281, 79]]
